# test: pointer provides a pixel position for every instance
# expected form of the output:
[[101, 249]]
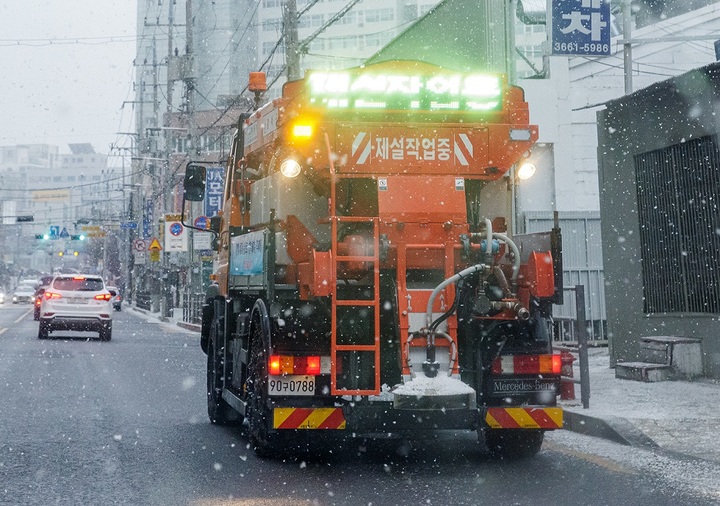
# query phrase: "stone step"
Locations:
[[643, 371]]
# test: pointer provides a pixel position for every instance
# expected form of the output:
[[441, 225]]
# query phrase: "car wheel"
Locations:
[[106, 333], [43, 331]]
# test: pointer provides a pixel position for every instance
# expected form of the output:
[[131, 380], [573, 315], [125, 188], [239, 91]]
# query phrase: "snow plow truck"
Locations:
[[367, 278]]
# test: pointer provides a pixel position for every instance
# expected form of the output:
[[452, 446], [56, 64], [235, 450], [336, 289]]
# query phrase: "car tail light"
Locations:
[[286, 364], [103, 296], [526, 364], [52, 295]]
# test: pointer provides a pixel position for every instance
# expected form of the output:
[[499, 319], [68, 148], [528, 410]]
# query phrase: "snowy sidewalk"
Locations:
[[681, 416]]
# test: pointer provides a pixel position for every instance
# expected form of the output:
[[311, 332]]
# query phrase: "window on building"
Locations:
[[376, 15], [349, 18], [272, 24], [678, 194]]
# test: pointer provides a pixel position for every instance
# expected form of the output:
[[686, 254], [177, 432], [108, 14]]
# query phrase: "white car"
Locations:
[[23, 294], [79, 302]]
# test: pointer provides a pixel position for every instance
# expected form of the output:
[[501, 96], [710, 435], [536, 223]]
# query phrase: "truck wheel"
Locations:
[[260, 414], [513, 444], [219, 411]]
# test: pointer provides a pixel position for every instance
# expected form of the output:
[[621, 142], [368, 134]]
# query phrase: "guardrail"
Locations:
[[192, 310]]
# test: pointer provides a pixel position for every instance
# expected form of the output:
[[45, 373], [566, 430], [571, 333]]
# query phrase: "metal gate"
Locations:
[[582, 265]]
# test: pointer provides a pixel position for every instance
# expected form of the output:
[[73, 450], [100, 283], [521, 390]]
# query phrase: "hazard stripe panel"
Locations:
[[524, 418], [308, 418]]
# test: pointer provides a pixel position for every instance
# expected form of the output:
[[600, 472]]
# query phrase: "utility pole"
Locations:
[[292, 49], [190, 80], [627, 45]]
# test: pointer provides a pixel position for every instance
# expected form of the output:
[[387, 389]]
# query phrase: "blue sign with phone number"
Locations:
[[581, 27]]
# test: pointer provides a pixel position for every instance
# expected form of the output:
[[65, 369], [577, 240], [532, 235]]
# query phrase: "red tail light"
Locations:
[[526, 364], [287, 364], [274, 365], [52, 295], [103, 296]]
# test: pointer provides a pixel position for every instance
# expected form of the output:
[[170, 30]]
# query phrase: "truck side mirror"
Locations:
[[194, 183]]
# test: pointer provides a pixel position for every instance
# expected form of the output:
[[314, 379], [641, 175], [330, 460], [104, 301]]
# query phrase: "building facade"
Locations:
[[660, 206]]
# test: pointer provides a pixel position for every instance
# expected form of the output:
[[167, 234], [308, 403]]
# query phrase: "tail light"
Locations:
[[103, 296], [287, 364], [526, 364], [52, 295]]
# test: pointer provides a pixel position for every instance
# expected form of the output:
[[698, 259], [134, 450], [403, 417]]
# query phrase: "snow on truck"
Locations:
[[367, 281]]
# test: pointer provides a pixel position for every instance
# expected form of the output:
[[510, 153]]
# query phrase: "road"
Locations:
[[85, 422]]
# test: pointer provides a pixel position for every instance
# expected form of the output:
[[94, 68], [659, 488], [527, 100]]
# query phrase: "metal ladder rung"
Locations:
[[354, 219], [356, 302], [355, 347], [355, 258]]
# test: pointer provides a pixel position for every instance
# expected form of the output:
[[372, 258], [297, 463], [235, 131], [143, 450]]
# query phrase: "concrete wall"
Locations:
[[662, 115]]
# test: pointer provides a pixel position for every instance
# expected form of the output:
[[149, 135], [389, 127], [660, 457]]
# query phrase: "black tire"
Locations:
[[106, 332], [264, 444], [43, 331], [219, 411], [513, 444]]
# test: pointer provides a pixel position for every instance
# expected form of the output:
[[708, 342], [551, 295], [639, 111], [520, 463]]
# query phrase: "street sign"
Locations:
[[155, 245], [202, 241], [140, 245], [580, 27], [201, 222], [175, 234], [128, 224], [214, 190], [54, 230], [64, 233]]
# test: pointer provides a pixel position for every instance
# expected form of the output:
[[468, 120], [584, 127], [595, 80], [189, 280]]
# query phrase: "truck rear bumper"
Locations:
[[383, 418]]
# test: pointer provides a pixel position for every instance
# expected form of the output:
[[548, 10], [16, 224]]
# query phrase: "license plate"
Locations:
[[291, 385], [77, 301]]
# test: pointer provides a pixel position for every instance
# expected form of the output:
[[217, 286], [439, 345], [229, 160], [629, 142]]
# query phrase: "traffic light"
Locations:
[[42, 237], [80, 237]]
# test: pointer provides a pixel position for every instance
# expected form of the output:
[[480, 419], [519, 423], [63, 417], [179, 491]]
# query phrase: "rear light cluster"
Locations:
[[285, 364], [103, 296], [526, 364], [52, 295]]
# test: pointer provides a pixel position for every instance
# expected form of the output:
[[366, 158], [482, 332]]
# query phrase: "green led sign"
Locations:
[[453, 92]]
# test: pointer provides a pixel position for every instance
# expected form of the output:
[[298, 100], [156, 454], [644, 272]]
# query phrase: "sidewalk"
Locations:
[[679, 416], [156, 315]]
